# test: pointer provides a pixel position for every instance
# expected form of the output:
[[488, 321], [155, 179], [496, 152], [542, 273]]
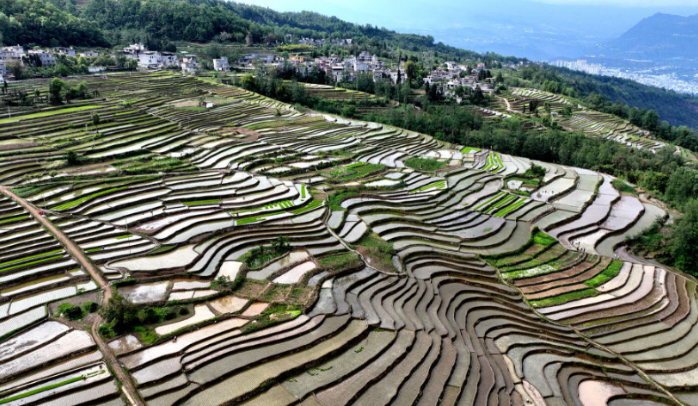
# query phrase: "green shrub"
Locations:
[[424, 164], [90, 307], [170, 314], [70, 311]]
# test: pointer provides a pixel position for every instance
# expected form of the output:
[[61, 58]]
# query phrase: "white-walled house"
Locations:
[[189, 65], [64, 51], [135, 48], [45, 57], [168, 59], [149, 59], [89, 54], [221, 64]]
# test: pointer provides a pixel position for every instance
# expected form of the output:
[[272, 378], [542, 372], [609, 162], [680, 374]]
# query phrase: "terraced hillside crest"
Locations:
[[292, 257]]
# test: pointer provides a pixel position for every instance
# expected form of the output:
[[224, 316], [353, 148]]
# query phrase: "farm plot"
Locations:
[[54, 361], [590, 122], [332, 261], [34, 269]]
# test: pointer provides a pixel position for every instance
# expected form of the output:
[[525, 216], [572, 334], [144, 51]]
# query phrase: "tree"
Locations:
[[651, 121], [684, 239], [121, 313], [533, 106], [478, 97], [567, 111], [55, 89], [499, 78], [72, 157], [248, 82], [61, 70], [96, 120], [411, 70], [635, 117], [349, 111], [16, 68]]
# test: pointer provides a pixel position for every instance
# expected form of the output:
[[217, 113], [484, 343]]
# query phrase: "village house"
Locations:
[[221, 64], [394, 76], [148, 59], [168, 59], [45, 57], [189, 65], [64, 51], [89, 54], [11, 53]]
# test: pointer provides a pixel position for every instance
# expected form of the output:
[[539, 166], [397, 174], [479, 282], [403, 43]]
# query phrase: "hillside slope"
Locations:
[[659, 37]]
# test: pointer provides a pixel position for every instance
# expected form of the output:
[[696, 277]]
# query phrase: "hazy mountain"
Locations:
[[660, 37], [523, 28]]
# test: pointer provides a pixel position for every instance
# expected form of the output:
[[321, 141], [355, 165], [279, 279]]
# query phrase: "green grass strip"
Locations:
[[543, 238], [94, 249], [354, 165], [81, 200], [609, 273], [14, 219], [124, 236], [202, 202], [564, 298], [30, 263], [302, 191], [468, 150], [47, 114], [250, 220], [285, 204], [500, 194], [312, 205], [501, 203], [436, 185], [49, 387], [510, 208], [31, 257]]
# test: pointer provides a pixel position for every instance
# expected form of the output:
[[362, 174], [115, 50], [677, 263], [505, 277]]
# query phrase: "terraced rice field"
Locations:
[[590, 122], [389, 286]]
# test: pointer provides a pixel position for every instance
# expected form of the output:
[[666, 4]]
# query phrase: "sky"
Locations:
[[538, 29]]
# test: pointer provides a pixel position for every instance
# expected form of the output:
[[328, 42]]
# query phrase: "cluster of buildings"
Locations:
[[160, 60], [323, 42], [146, 59], [451, 75], [646, 77], [447, 78], [338, 68], [37, 57], [580, 65]]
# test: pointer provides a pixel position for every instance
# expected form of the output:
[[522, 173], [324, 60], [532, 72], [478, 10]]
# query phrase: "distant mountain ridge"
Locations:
[[656, 38]]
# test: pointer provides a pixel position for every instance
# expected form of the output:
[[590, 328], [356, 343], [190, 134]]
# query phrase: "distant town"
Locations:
[[650, 77]]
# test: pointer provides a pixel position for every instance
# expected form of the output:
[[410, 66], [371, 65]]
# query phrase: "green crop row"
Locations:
[[81, 200], [31, 257]]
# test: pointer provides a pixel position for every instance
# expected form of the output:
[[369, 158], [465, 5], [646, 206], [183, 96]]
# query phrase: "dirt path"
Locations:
[[507, 102], [127, 385]]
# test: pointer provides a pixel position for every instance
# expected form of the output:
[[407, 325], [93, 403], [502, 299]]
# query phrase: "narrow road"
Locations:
[[127, 385]]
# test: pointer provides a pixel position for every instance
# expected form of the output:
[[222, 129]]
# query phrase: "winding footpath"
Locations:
[[127, 385]]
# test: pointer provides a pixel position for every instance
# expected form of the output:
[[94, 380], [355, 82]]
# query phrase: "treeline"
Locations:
[[613, 95], [125, 21], [38, 22]]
